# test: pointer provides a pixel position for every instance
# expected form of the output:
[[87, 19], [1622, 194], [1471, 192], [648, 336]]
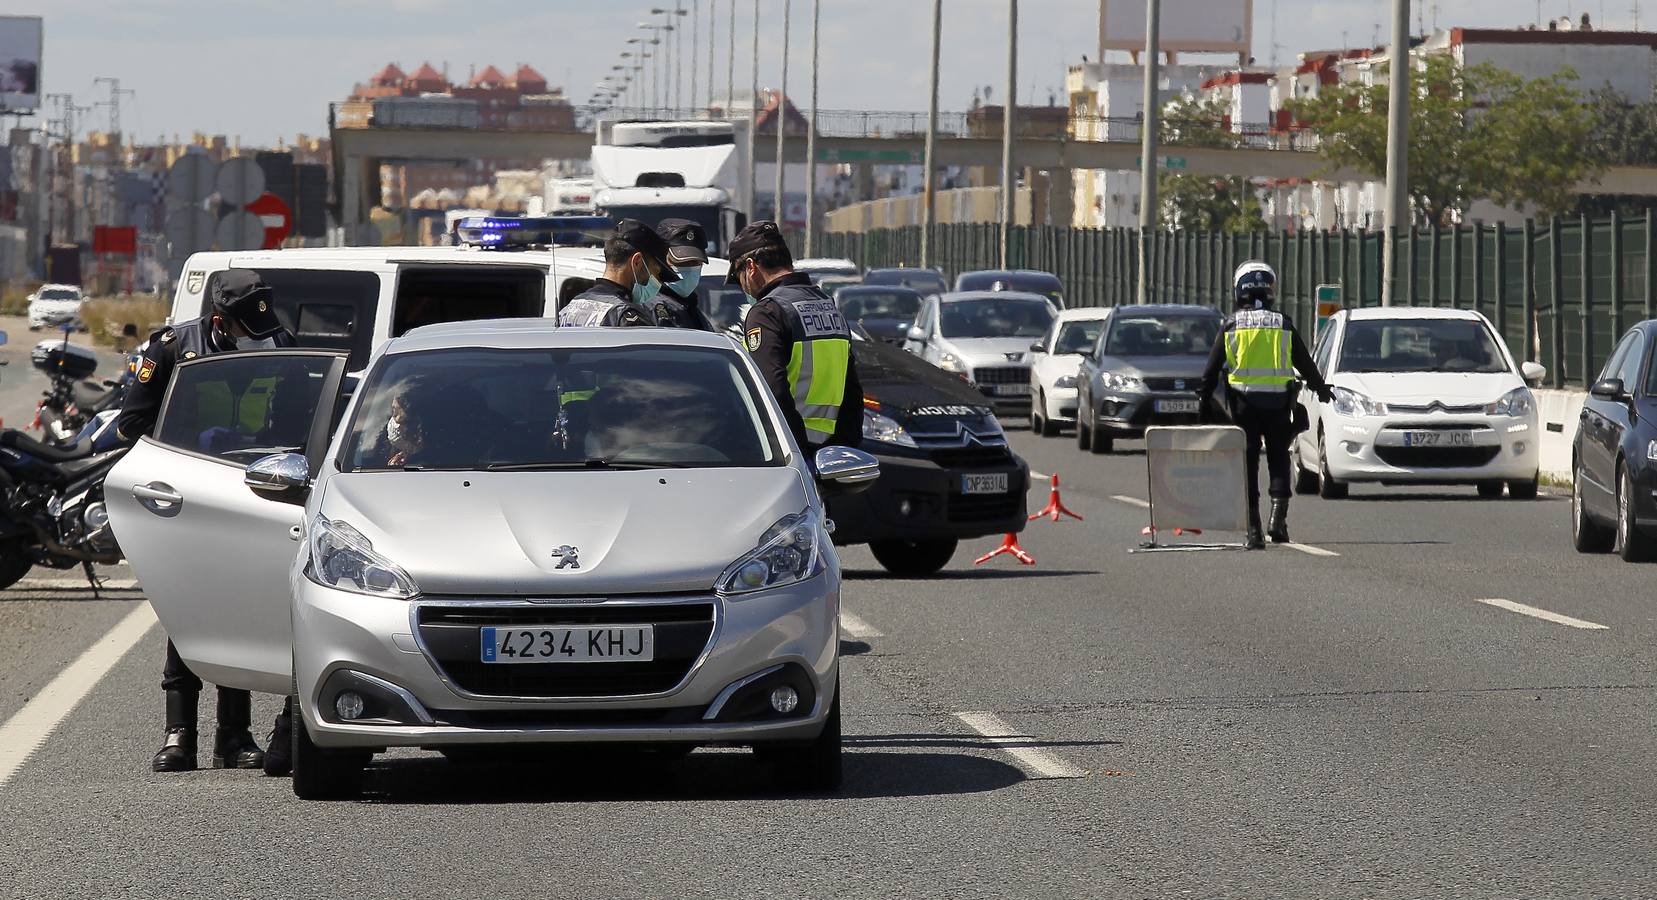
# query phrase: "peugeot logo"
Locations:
[[568, 557], [1179, 384], [1014, 357]]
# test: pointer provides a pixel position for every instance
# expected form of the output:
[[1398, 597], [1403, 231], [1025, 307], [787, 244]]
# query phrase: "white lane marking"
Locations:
[[114, 584], [1309, 550], [1035, 760], [858, 628], [29, 727], [1131, 501], [1537, 613]]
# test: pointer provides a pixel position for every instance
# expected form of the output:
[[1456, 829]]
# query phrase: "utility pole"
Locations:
[[730, 65], [753, 128], [679, 54], [1398, 149], [1148, 145], [811, 141], [929, 178], [695, 48], [1008, 122], [782, 119], [114, 101]]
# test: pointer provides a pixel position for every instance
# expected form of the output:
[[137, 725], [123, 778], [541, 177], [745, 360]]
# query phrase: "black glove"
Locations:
[[1325, 395]]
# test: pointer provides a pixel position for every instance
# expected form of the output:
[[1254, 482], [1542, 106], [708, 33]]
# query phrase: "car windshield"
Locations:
[[1167, 335], [993, 317], [722, 303], [637, 407], [920, 279], [1419, 345], [880, 304], [1076, 337], [58, 294]]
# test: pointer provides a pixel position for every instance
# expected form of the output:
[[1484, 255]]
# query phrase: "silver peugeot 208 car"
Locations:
[[514, 534]]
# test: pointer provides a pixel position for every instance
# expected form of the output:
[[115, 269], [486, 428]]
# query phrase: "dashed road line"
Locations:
[[858, 628], [1131, 501], [30, 726], [1545, 615], [1309, 550], [1035, 761]]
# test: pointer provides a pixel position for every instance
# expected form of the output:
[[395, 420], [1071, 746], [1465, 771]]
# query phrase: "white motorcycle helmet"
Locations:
[[1255, 285]]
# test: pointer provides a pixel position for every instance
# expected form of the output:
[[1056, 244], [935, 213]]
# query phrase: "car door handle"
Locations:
[[158, 497]]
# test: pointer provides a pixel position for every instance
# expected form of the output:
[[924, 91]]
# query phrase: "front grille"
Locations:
[[1002, 375], [1437, 457], [976, 508], [1437, 426], [1173, 384], [968, 456], [450, 636], [575, 718], [1436, 406]]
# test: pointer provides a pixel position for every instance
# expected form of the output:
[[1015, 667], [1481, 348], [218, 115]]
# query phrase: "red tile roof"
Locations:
[[389, 75], [489, 75], [426, 73]]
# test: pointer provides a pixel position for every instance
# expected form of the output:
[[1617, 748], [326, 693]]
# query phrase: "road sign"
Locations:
[[188, 230], [190, 180], [241, 230], [1179, 163], [240, 181], [892, 157], [276, 217], [1329, 303]]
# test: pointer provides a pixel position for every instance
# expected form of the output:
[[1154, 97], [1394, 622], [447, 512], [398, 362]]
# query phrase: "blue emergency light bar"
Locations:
[[518, 232]]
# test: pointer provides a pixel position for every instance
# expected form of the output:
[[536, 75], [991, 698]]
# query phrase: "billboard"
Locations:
[[20, 45], [1187, 26]]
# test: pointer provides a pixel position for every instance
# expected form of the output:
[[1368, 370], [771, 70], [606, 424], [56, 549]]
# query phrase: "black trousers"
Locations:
[[176, 676], [1275, 429]]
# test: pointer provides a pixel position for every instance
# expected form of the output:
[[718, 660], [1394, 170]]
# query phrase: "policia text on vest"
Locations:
[[803, 347]]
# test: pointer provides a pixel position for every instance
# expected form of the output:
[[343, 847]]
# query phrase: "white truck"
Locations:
[[652, 171]]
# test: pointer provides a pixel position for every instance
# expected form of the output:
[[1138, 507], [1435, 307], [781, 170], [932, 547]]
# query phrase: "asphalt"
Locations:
[[1237, 724]]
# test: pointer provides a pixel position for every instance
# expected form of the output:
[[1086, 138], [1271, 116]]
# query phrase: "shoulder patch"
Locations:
[[168, 335], [753, 339], [189, 354], [146, 371]]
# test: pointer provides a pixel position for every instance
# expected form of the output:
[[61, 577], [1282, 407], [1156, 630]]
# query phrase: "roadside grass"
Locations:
[[107, 317], [14, 298]]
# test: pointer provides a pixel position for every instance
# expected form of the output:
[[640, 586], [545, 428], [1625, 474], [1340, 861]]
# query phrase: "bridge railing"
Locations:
[[1560, 292]]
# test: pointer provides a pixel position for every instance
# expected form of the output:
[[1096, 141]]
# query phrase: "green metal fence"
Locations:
[[1539, 283]]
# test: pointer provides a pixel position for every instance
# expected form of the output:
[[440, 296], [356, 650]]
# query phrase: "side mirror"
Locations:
[[1533, 373], [283, 477], [916, 334], [842, 470], [1609, 389], [1038, 347]]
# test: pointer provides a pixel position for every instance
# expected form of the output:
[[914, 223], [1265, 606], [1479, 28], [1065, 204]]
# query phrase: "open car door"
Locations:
[[213, 557]]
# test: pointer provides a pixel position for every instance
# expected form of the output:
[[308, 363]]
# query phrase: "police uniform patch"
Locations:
[[189, 354], [194, 280], [167, 336], [145, 371], [753, 339], [263, 306]]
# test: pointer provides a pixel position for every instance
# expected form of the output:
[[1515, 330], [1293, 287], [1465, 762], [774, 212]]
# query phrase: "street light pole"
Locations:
[[713, 22], [730, 66], [1008, 186], [1398, 149], [811, 141], [1148, 146], [781, 118], [678, 54], [695, 42], [929, 178], [753, 127]]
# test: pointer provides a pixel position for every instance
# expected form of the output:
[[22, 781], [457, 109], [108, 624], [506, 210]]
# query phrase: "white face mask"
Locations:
[[394, 431], [253, 343]]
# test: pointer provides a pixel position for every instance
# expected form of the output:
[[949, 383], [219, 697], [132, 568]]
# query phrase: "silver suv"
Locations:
[[515, 534]]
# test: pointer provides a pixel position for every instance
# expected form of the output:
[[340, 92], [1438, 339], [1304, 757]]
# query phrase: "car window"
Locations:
[[58, 294], [1162, 335], [1629, 368], [1614, 364], [721, 303], [880, 304], [429, 295], [993, 317], [1326, 346], [1076, 337], [632, 406], [1420, 345], [239, 408], [1651, 376], [311, 304]]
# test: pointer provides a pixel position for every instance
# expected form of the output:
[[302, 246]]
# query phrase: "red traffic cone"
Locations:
[[1055, 507], [1009, 544]]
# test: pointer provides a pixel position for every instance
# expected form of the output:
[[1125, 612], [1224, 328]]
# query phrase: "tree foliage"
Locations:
[[1204, 202], [1476, 133]]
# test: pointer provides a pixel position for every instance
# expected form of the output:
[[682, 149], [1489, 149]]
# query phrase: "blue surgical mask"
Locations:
[[645, 292], [689, 277]]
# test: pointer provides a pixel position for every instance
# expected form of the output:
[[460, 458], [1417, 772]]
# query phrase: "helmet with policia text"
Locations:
[[1255, 285]]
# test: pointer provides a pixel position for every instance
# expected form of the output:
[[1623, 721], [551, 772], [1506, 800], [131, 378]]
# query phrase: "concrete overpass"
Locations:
[[358, 152]]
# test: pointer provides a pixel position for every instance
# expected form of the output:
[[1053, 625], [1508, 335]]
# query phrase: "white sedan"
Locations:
[[1421, 396], [1054, 361]]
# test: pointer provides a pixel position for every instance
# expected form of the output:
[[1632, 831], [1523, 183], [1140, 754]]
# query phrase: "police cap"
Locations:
[[242, 295], [762, 235], [644, 239], [687, 243]]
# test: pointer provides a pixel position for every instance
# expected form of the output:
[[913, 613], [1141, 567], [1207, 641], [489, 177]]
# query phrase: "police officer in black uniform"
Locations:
[[635, 268], [243, 318], [800, 341], [677, 306]]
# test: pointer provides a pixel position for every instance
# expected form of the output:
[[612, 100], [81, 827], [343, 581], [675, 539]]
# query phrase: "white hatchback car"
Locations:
[[1054, 361], [1421, 396], [515, 534], [54, 306]]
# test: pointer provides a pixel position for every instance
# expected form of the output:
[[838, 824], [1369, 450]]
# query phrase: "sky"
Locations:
[[259, 69]]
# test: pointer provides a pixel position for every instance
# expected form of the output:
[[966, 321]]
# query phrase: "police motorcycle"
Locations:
[[74, 398]]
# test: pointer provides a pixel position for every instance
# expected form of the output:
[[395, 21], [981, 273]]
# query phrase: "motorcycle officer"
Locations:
[[1260, 352], [635, 268], [677, 305], [242, 319]]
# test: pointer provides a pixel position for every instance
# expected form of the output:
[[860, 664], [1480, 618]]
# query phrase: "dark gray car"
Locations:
[[1144, 370], [885, 311]]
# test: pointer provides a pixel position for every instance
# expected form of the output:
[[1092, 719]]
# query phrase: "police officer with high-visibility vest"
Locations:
[[1260, 353], [800, 340]]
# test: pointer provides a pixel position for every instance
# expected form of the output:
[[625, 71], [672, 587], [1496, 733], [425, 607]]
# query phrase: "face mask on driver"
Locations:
[[253, 343], [646, 290], [689, 277]]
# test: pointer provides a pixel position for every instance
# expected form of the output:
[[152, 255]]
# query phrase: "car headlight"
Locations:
[[790, 551], [885, 429], [949, 362], [1115, 381], [1065, 381], [342, 558], [1517, 402], [1350, 403]]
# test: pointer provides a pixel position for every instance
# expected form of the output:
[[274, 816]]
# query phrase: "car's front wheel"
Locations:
[[1632, 544], [914, 559], [1039, 421], [809, 767], [1328, 487], [1084, 434], [1587, 535], [1490, 490], [1306, 480], [320, 774], [1524, 490]]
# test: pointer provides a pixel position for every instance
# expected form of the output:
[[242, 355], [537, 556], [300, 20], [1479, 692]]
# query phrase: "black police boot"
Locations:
[[178, 754], [279, 755], [233, 746], [1278, 530], [1254, 541]]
